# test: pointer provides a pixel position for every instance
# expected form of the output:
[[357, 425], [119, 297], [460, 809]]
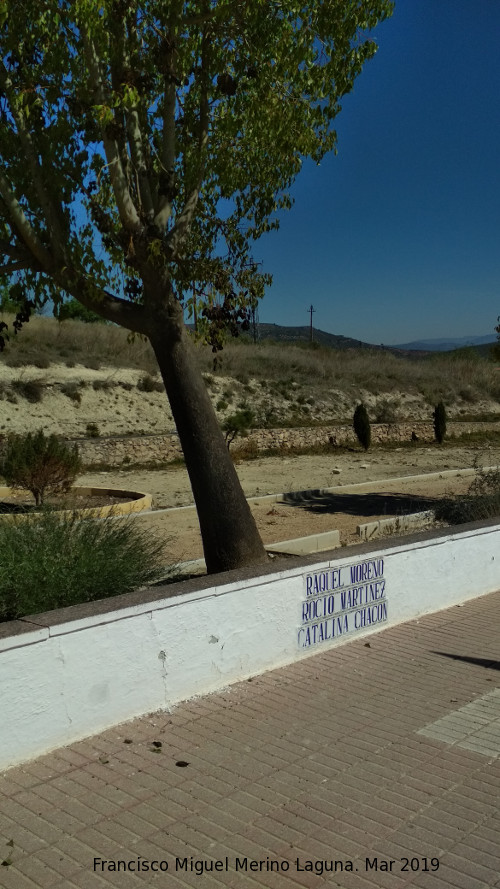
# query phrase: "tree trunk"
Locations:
[[228, 529]]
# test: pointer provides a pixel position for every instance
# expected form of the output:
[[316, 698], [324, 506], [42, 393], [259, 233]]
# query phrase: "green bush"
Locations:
[[92, 430], [362, 428], [439, 418], [238, 424], [38, 464], [52, 561], [77, 312]]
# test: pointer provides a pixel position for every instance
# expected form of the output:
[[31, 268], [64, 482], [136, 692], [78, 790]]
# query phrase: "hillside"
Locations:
[[64, 377], [448, 345], [280, 333]]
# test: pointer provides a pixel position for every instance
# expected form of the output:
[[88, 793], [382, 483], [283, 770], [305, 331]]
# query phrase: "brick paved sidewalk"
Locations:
[[363, 755]]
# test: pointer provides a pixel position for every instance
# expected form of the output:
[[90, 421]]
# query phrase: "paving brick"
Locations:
[[285, 766], [460, 880], [12, 878], [467, 851], [42, 875]]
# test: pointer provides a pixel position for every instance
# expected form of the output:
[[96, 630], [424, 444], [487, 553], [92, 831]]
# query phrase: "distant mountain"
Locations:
[[447, 345], [283, 334]]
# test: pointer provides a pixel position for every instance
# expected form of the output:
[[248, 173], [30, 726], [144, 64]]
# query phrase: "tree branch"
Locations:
[[14, 267], [126, 208], [120, 64], [51, 209], [181, 227], [107, 305], [22, 226], [168, 155], [139, 162]]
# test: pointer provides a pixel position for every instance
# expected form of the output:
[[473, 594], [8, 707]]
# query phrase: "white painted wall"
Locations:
[[69, 680]]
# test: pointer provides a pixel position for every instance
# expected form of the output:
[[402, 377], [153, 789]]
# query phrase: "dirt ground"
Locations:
[[342, 510]]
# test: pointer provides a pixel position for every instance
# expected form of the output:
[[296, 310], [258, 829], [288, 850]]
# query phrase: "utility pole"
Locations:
[[311, 309]]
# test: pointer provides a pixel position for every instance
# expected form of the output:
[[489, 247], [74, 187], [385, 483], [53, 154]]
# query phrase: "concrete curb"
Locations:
[[139, 502], [395, 524], [290, 496]]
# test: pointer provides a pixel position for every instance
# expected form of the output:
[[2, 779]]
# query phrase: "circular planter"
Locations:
[[128, 502]]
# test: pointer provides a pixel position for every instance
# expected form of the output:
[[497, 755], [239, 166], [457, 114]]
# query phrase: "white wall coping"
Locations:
[[41, 627]]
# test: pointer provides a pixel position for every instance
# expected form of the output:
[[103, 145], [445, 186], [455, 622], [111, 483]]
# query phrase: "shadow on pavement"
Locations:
[[360, 504], [478, 661]]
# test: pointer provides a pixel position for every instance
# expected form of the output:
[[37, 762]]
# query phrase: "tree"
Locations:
[[362, 428], [75, 311], [39, 464], [143, 147], [439, 418], [237, 424]]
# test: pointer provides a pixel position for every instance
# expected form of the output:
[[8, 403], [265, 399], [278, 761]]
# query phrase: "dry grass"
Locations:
[[440, 377], [281, 370], [44, 341]]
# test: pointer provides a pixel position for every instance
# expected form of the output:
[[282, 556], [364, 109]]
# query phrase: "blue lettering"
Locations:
[[365, 617], [367, 570]]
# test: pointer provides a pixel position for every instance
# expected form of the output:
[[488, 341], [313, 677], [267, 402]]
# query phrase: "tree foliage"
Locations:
[[36, 463], [163, 135], [144, 147]]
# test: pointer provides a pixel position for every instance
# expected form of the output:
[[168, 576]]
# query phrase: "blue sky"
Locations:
[[398, 236]]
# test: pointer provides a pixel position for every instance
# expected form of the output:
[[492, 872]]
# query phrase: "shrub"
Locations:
[[439, 417], [481, 502], [75, 311], [16, 361], [42, 362], [385, 412], [72, 390], [221, 405], [31, 390], [92, 363], [237, 424], [92, 430], [54, 561], [362, 428], [148, 384], [39, 464]]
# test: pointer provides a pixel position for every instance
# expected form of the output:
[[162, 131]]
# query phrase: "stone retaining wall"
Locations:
[[165, 448]]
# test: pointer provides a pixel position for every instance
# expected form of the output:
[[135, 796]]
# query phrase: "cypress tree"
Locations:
[[439, 417], [362, 428]]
